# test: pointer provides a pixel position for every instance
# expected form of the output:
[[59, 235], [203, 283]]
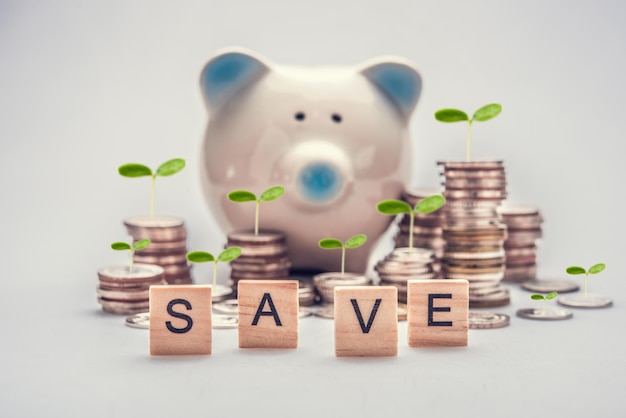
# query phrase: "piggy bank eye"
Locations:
[[336, 117], [300, 116]]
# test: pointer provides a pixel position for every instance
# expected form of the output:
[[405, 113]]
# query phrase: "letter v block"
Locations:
[[268, 313], [437, 312], [366, 321], [180, 320]]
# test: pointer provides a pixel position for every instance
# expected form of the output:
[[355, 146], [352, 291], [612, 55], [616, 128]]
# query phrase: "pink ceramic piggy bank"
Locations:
[[335, 137]]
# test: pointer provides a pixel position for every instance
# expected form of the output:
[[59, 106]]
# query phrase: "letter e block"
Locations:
[[268, 313], [366, 321], [180, 320], [437, 312]]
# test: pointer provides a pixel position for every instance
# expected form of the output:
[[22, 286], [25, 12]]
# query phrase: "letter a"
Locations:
[[272, 312]]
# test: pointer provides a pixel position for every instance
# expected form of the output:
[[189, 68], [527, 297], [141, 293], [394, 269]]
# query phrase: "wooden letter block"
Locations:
[[268, 313], [437, 312], [180, 320], [366, 321]]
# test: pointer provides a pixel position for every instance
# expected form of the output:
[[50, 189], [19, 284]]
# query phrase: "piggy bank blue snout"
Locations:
[[319, 182]]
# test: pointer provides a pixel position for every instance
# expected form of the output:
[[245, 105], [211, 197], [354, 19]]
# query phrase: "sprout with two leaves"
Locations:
[[166, 169], [225, 256], [595, 269], [332, 243], [483, 114], [396, 207], [241, 196], [137, 246], [545, 299]]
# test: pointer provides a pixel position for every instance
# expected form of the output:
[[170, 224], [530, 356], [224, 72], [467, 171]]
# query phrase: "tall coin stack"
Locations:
[[473, 232], [124, 293], [524, 228], [427, 227], [168, 247], [404, 264], [263, 256]]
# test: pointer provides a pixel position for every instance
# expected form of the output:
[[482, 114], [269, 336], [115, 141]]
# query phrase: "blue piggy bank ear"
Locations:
[[397, 80], [228, 72]]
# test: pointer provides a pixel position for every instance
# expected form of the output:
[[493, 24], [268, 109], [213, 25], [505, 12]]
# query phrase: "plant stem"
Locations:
[[130, 263], [343, 259], [586, 280], [214, 276], [411, 231], [152, 196], [545, 301], [256, 218], [469, 136]]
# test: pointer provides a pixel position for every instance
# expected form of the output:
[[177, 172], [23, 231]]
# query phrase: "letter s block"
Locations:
[[437, 312], [180, 320]]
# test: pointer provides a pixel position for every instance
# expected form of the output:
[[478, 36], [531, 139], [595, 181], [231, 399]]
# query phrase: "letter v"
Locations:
[[370, 321]]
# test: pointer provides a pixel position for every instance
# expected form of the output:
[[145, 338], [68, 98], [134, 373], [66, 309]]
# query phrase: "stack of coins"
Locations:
[[427, 227], [263, 256], [404, 264], [306, 292], [168, 247], [125, 293], [524, 228], [325, 283], [473, 233]]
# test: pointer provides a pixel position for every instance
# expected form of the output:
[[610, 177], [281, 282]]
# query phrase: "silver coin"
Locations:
[[547, 286], [326, 312], [491, 300], [304, 312], [220, 293], [227, 307], [581, 301], [141, 272], [140, 320], [487, 320], [224, 321], [548, 314]]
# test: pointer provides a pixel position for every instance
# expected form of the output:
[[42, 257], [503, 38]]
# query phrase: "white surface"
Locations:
[[87, 87]]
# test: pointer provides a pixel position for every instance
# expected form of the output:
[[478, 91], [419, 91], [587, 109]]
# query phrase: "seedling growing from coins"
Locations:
[[332, 243], [483, 114], [122, 246], [395, 207], [595, 269], [166, 169], [225, 256], [241, 196], [545, 299]]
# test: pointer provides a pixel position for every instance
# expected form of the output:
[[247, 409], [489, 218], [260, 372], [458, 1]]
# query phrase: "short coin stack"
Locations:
[[168, 246], [524, 229], [263, 256], [427, 227], [473, 232], [325, 283], [404, 264], [125, 293]]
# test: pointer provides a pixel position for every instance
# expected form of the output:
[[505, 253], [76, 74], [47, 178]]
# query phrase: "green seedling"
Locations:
[[396, 207], [122, 246], [332, 243], [225, 256], [166, 169], [483, 114], [595, 269], [241, 196], [545, 298]]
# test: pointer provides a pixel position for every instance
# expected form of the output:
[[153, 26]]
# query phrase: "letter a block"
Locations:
[[437, 312], [268, 313], [366, 321], [180, 320]]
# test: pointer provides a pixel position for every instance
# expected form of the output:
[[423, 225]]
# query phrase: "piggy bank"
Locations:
[[335, 137]]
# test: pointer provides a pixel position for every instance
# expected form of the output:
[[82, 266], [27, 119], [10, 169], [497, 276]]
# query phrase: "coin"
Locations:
[[472, 165], [224, 321], [487, 320], [581, 301], [227, 307], [547, 286], [548, 314], [325, 311], [499, 298], [140, 320], [156, 228], [325, 283]]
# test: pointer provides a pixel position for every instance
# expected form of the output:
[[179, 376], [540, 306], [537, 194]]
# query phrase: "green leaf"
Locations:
[[120, 246], [200, 257], [272, 193], [229, 254], [356, 241], [551, 295], [240, 196], [330, 243], [596, 268], [134, 170], [170, 167], [450, 115], [430, 203], [575, 270], [141, 244], [537, 297], [393, 207], [487, 112]]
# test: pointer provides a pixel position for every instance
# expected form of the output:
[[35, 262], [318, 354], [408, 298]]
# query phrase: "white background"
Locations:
[[87, 86]]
